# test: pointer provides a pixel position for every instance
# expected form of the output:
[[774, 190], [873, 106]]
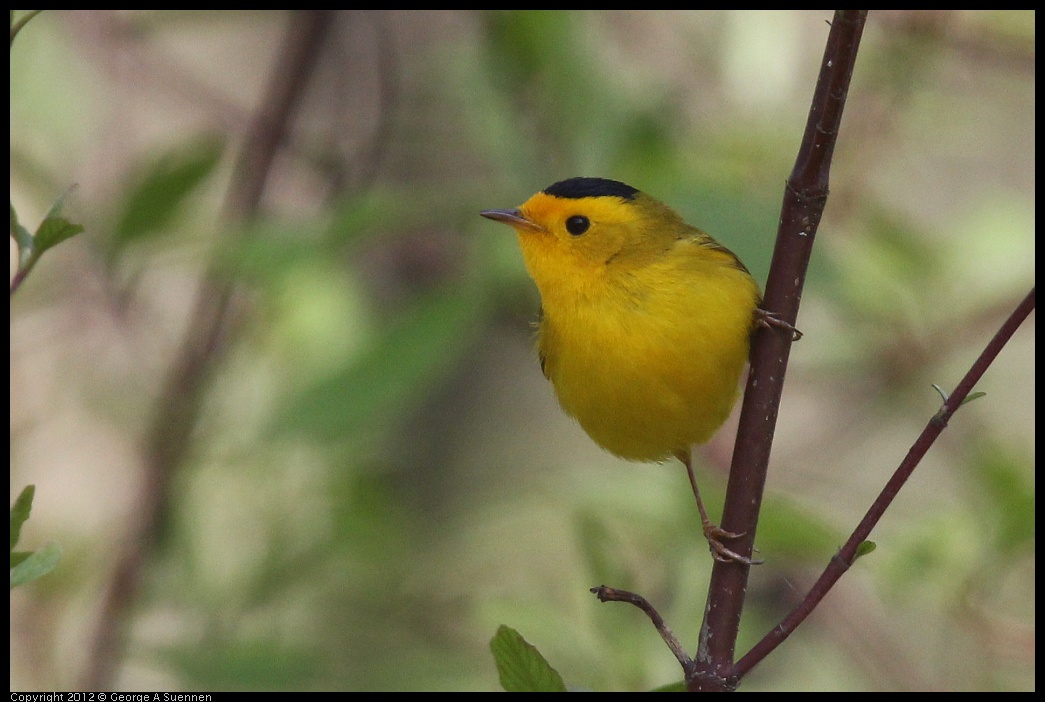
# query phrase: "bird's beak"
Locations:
[[512, 217]]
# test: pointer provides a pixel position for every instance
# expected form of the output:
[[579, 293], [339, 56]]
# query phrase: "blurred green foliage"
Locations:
[[28, 565], [53, 230], [155, 195], [521, 666]]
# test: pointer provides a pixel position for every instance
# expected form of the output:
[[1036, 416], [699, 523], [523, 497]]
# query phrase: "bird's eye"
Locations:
[[577, 224]]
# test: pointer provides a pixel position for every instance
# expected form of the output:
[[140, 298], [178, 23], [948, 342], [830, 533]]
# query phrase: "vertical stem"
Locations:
[[804, 198], [168, 441]]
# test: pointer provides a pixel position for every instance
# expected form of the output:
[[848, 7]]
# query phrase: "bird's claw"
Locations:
[[769, 320], [720, 552]]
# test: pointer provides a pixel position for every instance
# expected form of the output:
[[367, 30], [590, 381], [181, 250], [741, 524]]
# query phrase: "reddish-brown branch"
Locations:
[[610, 594], [845, 557], [804, 199]]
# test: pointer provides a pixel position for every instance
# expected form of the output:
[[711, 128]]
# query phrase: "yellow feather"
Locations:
[[646, 320]]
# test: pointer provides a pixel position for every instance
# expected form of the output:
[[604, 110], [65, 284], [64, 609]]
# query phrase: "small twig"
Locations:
[[19, 278], [609, 594], [844, 558]]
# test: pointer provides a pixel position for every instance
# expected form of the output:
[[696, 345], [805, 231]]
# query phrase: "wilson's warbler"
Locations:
[[646, 321]]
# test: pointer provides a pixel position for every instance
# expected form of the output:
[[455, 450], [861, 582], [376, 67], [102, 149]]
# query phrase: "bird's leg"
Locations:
[[768, 320], [712, 532]]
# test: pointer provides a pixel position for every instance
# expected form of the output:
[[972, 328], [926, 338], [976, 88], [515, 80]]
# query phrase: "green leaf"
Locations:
[[521, 666], [22, 237], [20, 512], [37, 564], [864, 548], [59, 203], [53, 231], [973, 396], [160, 188], [26, 566], [678, 686], [968, 398]]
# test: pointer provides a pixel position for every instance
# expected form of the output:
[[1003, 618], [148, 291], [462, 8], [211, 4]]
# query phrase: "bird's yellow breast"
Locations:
[[646, 321], [649, 363]]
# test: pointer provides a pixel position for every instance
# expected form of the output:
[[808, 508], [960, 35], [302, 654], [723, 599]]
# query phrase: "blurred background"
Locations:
[[365, 473]]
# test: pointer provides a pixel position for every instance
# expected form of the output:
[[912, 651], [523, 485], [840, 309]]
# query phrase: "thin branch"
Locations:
[[610, 594], [19, 278], [804, 199], [168, 440], [844, 558], [367, 158], [18, 24]]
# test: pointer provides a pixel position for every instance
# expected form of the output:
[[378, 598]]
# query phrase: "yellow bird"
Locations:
[[646, 321]]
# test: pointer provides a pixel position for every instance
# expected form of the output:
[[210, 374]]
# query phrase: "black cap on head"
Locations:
[[574, 188]]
